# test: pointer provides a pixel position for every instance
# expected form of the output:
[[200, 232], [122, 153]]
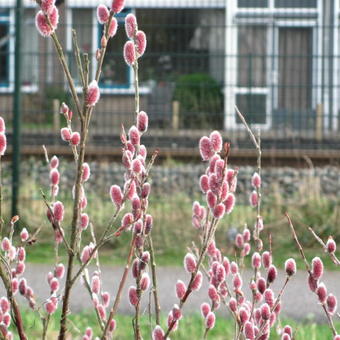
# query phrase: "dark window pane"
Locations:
[[295, 3], [295, 68], [252, 45], [252, 3], [4, 53], [182, 41], [82, 23], [116, 73], [30, 49], [253, 107]]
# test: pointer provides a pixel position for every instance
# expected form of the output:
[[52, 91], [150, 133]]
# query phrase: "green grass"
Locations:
[[191, 327]]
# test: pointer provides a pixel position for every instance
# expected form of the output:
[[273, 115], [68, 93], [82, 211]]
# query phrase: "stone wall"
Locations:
[[184, 178]]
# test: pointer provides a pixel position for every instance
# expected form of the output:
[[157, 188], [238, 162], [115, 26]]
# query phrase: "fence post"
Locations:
[[175, 114], [318, 123], [16, 110], [56, 119]]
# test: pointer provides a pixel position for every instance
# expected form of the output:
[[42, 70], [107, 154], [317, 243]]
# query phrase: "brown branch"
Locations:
[[120, 289], [154, 281]]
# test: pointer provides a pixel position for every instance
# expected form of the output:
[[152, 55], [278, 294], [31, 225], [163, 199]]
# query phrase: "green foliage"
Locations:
[[201, 101]]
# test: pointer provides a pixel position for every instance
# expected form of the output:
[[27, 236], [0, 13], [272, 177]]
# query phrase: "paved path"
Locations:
[[298, 301]]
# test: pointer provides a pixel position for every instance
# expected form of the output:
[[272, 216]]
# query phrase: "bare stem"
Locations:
[[120, 289], [154, 280]]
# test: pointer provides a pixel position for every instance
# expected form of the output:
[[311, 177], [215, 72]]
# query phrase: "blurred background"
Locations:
[[277, 60]]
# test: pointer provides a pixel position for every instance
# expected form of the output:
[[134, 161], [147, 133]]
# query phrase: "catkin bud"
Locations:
[[246, 235], [140, 40], [189, 263], [269, 297], [265, 311], [117, 6], [130, 25], [216, 141], [86, 172], [331, 245], [129, 53], [58, 211], [197, 282], [142, 121], [133, 297], [317, 268], [180, 289], [93, 93], [204, 183], [229, 203], [54, 163], [272, 274], [4, 304], [158, 333], [113, 28], [205, 148], [145, 282], [218, 211], [266, 259], [249, 332], [102, 14], [95, 284], [256, 180], [237, 282], [54, 177], [244, 315], [6, 244], [205, 309], [54, 284], [116, 195], [290, 267], [210, 320], [24, 235], [65, 134], [2, 125], [42, 24], [75, 138], [321, 292], [331, 303], [254, 199], [212, 293], [134, 135], [256, 260], [59, 271]]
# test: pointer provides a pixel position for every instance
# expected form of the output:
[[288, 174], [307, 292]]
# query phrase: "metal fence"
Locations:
[[277, 60]]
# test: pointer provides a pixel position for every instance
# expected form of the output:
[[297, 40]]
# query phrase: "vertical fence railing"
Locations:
[[280, 69]]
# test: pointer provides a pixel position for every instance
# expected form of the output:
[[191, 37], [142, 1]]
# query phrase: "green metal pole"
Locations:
[[16, 110]]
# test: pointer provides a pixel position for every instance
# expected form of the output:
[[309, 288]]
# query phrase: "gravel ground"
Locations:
[[298, 301]]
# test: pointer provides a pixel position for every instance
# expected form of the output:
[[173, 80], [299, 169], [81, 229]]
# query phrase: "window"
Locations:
[[116, 73], [295, 3], [82, 23], [4, 48], [252, 89], [252, 3], [30, 51]]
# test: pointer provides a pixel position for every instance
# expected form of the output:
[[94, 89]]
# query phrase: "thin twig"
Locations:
[[120, 289], [154, 280]]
